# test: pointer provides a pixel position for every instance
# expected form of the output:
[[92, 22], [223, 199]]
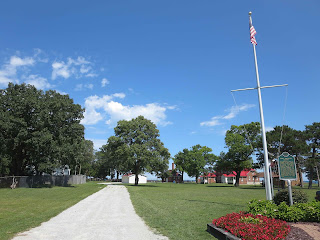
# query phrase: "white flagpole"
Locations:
[[264, 141]]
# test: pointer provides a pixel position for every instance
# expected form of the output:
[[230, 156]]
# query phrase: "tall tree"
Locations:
[[140, 148], [291, 141], [241, 142], [193, 161], [39, 131], [313, 134]]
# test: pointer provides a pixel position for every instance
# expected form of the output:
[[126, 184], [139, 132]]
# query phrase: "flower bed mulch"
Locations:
[[297, 233]]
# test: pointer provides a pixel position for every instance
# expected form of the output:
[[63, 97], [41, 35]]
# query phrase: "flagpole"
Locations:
[[264, 141]]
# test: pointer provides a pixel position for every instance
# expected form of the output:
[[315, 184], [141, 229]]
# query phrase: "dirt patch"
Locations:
[[304, 230]]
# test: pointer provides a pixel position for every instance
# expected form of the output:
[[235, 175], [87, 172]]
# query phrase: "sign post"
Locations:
[[287, 171]]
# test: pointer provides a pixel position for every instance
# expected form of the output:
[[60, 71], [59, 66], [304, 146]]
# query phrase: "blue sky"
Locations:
[[174, 62]]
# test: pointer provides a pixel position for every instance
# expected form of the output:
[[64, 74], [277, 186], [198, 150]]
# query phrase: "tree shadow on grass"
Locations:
[[219, 186], [220, 203], [241, 187], [141, 186]]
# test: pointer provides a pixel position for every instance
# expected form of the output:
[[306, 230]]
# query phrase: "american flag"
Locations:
[[252, 33]]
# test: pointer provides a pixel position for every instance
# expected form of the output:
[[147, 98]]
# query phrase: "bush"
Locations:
[[305, 212], [297, 197]]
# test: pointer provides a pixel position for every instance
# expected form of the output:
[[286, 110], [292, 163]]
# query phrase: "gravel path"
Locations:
[[107, 214]]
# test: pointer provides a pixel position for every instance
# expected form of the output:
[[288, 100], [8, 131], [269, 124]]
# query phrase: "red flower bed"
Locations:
[[251, 227]]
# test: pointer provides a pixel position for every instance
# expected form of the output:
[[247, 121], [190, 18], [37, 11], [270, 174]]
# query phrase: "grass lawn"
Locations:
[[24, 208], [182, 211]]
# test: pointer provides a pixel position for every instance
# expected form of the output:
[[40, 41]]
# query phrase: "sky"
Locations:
[[174, 62]]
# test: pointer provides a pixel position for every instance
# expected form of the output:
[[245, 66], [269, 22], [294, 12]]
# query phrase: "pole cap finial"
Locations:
[[250, 13]]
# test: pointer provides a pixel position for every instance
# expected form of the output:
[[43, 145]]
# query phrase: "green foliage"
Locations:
[[241, 142], [306, 212], [313, 161], [135, 148], [193, 161], [39, 131], [283, 196]]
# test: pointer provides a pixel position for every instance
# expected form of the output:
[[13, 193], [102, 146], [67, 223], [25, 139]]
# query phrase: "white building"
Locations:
[[130, 178]]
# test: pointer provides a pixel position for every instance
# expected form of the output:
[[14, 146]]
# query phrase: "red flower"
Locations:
[[250, 227]]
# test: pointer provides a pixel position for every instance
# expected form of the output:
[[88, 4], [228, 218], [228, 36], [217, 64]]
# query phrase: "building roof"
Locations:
[[209, 175], [243, 173]]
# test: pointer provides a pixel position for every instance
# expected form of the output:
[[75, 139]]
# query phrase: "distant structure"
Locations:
[[248, 176], [130, 178], [173, 176]]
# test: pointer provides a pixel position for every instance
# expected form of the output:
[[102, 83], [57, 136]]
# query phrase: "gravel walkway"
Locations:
[[107, 214]]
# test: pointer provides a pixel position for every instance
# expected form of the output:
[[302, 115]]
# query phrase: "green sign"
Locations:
[[287, 167]]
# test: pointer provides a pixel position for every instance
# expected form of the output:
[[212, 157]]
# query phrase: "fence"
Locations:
[[42, 181]]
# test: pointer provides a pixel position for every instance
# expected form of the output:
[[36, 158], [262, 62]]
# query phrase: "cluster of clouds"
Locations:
[[232, 113], [106, 108], [17, 69], [110, 110]]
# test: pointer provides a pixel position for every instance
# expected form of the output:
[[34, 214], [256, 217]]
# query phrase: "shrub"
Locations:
[[297, 197], [306, 212], [247, 226]]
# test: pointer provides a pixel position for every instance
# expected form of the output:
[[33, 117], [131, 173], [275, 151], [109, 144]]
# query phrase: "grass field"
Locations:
[[24, 208], [182, 211]]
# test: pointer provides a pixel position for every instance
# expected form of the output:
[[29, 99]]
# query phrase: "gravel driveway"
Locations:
[[107, 214]]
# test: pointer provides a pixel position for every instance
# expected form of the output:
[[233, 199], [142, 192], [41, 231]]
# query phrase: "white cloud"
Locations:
[[80, 87], [38, 82], [115, 111], [233, 112], [119, 95], [104, 82], [269, 129], [17, 61], [79, 67], [91, 75], [60, 69], [213, 122], [8, 72]]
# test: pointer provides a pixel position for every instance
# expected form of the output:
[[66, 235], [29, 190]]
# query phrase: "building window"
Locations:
[[249, 178]]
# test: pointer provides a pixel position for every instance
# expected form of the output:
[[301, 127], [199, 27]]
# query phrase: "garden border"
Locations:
[[220, 233]]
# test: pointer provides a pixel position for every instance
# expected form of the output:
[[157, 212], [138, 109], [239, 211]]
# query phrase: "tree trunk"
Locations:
[[196, 179], [182, 177], [117, 175], [300, 177], [237, 179], [79, 170], [317, 174], [136, 172], [311, 168], [136, 180], [299, 171]]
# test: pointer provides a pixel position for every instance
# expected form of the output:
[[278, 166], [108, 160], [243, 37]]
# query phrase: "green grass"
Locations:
[[182, 211], [25, 208]]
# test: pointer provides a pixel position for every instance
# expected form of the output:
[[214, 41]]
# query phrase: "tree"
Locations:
[[292, 141], [39, 131], [109, 159], [193, 161], [313, 136], [180, 160], [241, 142], [140, 148]]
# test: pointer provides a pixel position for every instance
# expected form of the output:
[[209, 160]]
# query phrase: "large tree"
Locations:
[[291, 141], [313, 135], [140, 148], [38, 131], [241, 142], [193, 161]]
